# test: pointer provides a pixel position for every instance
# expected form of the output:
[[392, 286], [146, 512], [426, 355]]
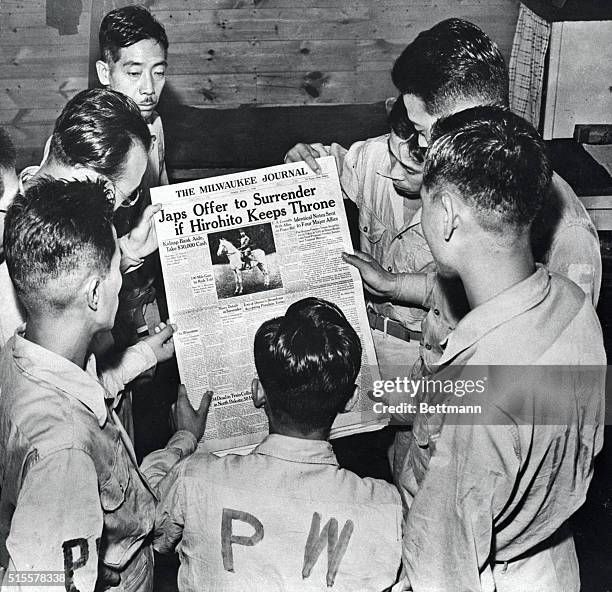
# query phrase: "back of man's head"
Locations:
[[496, 161], [56, 235], [96, 129], [452, 63], [8, 157], [307, 362], [125, 26]]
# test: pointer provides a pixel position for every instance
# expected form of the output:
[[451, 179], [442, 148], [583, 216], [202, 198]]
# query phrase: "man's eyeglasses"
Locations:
[[409, 150], [128, 200]]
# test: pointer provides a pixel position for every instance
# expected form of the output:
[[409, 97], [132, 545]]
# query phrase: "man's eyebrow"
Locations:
[[130, 63]]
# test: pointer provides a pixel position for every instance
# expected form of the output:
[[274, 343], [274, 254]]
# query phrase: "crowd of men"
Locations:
[[477, 259]]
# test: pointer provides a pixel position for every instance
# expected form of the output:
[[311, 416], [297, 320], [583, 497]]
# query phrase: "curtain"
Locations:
[[527, 64]]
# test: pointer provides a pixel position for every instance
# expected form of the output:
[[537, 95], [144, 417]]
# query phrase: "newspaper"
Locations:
[[237, 250]]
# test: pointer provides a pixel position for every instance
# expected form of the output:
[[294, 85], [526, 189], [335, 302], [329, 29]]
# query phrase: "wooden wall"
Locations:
[[40, 69], [226, 53], [284, 52]]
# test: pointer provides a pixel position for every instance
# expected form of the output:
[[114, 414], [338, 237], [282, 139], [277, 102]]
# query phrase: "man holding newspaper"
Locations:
[[482, 496]]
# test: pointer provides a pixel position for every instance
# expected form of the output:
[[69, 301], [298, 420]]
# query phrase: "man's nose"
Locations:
[[146, 84]]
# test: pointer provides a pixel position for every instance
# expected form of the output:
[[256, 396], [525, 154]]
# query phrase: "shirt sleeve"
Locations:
[[576, 255], [169, 514], [58, 522], [430, 285], [135, 360], [349, 163], [449, 528], [159, 463], [129, 260]]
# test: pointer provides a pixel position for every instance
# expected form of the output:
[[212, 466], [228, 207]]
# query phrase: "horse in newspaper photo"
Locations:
[[234, 255]]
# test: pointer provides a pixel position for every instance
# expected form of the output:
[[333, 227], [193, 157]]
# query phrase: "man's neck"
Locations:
[[295, 433], [61, 337], [494, 270]]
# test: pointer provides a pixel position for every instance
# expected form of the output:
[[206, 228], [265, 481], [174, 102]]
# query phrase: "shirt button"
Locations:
[[389, 268], [436, 312], [399, 236], [427, 346], [365, 228]]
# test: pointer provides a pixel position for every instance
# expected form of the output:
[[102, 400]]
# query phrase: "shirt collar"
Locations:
[[414, 221], [299, 450], [46, 367], [495, 312], [154, 117]]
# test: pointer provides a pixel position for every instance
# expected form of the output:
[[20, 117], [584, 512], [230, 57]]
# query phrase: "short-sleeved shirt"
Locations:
[[563, 238], [389, 224], [70, 489], [284, 517], [493, 487]]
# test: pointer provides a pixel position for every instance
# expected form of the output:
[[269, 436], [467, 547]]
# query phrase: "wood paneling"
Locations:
[[226, 53], [276, 52], [40, 69]]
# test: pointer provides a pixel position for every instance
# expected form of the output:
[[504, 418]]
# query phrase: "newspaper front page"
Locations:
[[237, 250]]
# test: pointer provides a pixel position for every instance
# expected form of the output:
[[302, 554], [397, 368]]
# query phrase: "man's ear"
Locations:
[[258, 394], [451, 216], [103, 70], [389, 102], [352, 401], [93, 292]]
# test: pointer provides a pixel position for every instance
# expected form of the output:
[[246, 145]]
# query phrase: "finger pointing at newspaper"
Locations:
[[377, 280]]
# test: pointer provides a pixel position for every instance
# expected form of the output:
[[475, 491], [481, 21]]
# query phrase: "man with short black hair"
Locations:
[[489, 493], [450, 67], [382, 176], [290, 518], [99, 134], [74, 505], [134, 54], [133, 61]]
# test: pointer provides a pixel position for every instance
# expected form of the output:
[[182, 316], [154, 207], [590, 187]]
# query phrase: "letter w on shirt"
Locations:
[[336, 547]]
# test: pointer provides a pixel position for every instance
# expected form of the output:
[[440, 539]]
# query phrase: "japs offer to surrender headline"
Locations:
[[237, 250]]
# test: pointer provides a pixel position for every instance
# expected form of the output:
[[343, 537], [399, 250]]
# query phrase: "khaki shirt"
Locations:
[[283, 518], [563, 238], [71, 493], [389, 224], [491, 486]]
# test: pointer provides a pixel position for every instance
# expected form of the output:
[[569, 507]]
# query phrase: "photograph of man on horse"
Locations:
[[247, 252], [246, 246]]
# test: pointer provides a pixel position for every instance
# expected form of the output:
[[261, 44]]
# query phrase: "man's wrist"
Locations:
[[410, 288], [130, 258], [184, 441]]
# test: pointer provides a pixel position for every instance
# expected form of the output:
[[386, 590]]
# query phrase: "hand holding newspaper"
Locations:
[[238, 250]]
